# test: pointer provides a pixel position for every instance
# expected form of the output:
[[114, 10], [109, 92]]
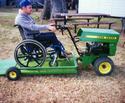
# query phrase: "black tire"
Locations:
[[53, 65], [103, 66], [30, 53], [13, 73]]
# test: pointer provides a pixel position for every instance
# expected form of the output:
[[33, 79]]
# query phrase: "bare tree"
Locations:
[[54, 6]]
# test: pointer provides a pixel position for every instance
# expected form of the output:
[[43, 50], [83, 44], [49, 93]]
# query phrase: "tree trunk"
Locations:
[[46, 14], [74, 4], [54, 6]]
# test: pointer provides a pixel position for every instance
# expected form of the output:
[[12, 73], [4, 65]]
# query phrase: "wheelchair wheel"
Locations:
[[30, 53]]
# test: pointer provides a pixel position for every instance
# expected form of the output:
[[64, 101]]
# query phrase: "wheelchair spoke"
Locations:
[[27, 62], [36, 61], [23, 56], [40, 57], [23, 49], [38, 54]]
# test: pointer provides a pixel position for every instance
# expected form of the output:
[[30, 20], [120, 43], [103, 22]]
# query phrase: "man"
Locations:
[[32, 30]]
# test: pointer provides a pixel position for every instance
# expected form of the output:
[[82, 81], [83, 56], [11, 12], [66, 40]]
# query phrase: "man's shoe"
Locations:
[[62, 56], [68, 53], [65, 55]]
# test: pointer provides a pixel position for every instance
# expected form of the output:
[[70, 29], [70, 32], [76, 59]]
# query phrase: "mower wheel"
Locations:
[[13, 73], [103, 66]]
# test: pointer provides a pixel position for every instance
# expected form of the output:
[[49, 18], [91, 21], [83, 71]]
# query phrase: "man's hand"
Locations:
[[52, 27]]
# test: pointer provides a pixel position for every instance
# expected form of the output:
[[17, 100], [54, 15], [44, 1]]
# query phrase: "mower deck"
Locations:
[[64, 67]]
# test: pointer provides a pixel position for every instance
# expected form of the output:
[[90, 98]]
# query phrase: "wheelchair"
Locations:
[[32, 53]]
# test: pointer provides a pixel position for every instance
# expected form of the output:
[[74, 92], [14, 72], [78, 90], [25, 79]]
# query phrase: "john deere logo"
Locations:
[[101, 37]]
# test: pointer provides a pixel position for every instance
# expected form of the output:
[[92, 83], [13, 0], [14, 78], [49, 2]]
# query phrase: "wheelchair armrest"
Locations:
[[16, 25], [19, 27], [20, 30]]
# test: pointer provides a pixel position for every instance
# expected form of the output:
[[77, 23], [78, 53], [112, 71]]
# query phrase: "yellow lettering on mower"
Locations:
[[101, 37]]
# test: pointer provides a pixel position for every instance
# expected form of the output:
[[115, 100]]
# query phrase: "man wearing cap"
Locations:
[[27, 22]]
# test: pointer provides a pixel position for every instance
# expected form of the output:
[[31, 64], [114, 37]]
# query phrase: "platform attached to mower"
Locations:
[[64, 67]]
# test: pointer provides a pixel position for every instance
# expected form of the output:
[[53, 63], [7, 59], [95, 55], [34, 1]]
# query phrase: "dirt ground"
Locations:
[[86, 87]]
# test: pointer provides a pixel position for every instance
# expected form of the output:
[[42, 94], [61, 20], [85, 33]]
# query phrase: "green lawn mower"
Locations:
[[31, 57]]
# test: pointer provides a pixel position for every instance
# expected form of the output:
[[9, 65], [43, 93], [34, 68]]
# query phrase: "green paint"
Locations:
[[87, 60]]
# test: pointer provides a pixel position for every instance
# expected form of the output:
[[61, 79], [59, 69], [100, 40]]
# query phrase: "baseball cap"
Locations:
[[24, 3]]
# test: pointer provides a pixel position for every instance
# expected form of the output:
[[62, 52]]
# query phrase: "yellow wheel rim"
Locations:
[[105, 67], [13, 74]]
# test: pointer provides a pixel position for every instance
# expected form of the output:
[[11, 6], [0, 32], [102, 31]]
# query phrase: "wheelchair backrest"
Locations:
[[21, 30]]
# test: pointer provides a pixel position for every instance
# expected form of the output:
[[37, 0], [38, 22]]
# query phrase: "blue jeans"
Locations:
[[49, 38]]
